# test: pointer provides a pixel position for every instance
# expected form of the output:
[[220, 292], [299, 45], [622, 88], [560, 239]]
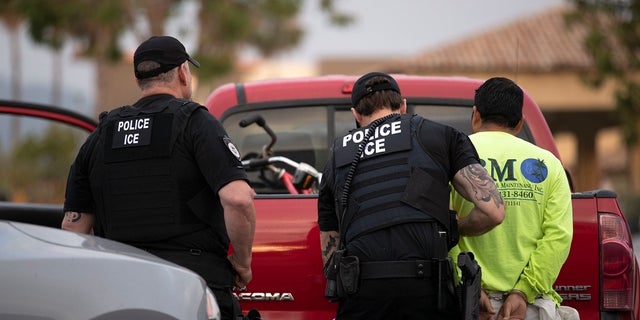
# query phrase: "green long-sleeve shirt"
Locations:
[[527, 250]]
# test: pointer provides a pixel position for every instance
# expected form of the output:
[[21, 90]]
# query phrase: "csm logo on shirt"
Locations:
[[534, 170]]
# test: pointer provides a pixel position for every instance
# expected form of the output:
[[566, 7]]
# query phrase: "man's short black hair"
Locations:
[[499, 100]]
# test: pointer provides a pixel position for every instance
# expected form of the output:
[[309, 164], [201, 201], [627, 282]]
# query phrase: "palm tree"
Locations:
[[46, 26], [11, 18]]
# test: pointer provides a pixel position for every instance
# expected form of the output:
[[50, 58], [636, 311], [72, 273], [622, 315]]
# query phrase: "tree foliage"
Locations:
[[223, 27], [39, 165], [613, 41]]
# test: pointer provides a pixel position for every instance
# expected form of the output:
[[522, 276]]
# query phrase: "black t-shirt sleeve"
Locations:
[[462, 151], [214, 151], [448, 146], [78, 195], [327, 219]]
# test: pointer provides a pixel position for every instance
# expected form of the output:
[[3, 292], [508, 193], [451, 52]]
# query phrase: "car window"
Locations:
[[35, 156], [458, 117], [300, 132], [305, 133]]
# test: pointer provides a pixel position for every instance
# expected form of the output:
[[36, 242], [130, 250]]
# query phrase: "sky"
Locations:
[[381, 29], [404, 27]]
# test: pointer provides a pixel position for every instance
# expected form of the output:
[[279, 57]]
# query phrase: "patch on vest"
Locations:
[[132, 132], [232, 147], [387, 138]]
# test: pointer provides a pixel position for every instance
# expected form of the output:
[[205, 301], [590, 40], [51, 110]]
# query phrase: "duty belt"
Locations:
[[396, 269]]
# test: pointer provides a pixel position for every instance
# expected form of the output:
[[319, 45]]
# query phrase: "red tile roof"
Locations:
[[539, 43]]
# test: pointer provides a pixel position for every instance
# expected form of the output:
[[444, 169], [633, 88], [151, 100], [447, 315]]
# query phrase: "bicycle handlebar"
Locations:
[[259, 120], [256, 118], [261, 162], [300, 181]]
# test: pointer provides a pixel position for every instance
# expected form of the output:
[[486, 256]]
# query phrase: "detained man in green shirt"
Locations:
[[520, 258]]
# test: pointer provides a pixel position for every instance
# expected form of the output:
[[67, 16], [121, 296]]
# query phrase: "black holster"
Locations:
[[331, 273], [443, 269], [444, 276], [468, 291], [333, 290], [342, 274]]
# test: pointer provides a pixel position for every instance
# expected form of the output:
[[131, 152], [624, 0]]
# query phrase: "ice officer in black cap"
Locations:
[[163, 175], [383, 208]]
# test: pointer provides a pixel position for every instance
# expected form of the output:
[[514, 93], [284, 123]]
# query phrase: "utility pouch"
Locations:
[[349, 274], [331, 273]]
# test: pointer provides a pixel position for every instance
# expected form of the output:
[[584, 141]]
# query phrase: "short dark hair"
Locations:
[[499, 100], [165, 77], [375, 91]]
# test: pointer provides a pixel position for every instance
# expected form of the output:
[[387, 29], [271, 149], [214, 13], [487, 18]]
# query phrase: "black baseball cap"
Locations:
[[361, 89], [165, 50]]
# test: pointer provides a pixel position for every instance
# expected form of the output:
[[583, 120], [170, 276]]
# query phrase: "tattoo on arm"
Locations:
[[331, 244], [484, 188], [72, 216]]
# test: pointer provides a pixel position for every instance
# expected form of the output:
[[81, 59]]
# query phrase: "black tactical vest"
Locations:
[[140, 201], [396, 181]]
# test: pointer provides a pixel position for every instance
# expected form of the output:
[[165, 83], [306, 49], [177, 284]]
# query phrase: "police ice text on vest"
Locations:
[[133, 126], [376, 142]]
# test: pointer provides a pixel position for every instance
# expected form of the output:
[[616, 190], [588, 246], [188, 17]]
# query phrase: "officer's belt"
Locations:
[[396, 269]]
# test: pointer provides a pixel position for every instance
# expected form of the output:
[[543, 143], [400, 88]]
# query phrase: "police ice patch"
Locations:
[[232, 147], [133, 132], [387, 138]]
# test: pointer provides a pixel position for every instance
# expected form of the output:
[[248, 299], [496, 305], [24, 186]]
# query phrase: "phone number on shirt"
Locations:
[[521, 194]]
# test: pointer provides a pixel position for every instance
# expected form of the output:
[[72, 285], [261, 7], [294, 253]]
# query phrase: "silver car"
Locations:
[[47, 273]]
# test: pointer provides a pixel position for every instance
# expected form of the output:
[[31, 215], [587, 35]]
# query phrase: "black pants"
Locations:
[[215, 271], [396, 299], [228, 304]]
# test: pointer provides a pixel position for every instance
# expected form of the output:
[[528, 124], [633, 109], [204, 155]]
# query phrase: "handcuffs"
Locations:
[[501, 296]]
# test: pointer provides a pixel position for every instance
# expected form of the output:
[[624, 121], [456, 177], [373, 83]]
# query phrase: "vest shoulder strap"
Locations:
[[182, 111], [417, 123]]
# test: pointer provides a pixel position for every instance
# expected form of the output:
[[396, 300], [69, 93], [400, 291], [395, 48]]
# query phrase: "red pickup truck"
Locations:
[[600, 278], [284, 128]]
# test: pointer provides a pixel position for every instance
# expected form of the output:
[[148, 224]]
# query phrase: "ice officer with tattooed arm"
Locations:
[[383, 208]]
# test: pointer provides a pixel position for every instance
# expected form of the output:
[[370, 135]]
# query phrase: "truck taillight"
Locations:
[[616, 264]]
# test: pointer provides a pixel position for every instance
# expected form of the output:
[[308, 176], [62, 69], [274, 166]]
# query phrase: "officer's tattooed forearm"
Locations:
[[332, 244], [71, 216], [483, 186]]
